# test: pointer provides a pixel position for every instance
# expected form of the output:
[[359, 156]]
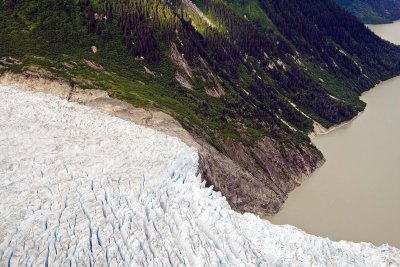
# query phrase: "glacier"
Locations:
[[79, 187]]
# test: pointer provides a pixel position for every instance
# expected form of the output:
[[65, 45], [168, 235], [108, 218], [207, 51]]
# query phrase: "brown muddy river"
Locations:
[[390, 32], [355, 195]]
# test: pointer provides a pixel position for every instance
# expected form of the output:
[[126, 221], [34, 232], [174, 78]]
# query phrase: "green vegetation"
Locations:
[[252, 10], [262, 57], [373, 11], [61, 44]]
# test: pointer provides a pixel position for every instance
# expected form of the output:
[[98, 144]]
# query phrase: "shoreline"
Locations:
[[241, 184], [363, 165], [321, 130], [391, 22], [211, 161]]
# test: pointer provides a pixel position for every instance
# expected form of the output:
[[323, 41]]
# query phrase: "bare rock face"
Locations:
[[179, 60], [216, 91], [182, 81], [257, 179], [254, 179]]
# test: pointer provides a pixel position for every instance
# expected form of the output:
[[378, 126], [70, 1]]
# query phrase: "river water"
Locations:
[[355, 195], [390, 32]]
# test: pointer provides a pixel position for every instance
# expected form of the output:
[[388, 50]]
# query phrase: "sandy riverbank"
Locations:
[[321, 130]]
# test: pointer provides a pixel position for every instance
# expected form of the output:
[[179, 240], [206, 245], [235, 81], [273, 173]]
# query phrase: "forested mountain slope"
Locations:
[[248, 79], [373, 11]]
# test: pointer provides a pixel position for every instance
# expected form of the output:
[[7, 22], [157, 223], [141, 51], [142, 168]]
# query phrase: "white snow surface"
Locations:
[[81, 188]]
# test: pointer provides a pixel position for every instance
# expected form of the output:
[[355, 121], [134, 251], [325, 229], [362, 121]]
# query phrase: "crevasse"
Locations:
[[79, 187]]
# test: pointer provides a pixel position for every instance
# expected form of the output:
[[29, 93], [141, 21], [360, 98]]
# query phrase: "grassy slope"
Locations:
[[123, 77], [54, 37]]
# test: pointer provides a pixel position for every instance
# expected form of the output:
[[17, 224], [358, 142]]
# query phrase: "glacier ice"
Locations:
[[79, 187]]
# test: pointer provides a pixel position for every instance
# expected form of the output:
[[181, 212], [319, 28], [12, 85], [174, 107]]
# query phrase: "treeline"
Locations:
[[292, 81], [335, 39], [373, 11], [258, 70], [138, 33], [245, 34]]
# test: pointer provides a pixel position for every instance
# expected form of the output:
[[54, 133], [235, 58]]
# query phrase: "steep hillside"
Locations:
[[373, 11], [249, 80]]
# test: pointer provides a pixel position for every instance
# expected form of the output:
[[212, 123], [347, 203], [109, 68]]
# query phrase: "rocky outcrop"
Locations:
[[257, 179], [182, 81], [179, 60], [253, 179], [216, 91]]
